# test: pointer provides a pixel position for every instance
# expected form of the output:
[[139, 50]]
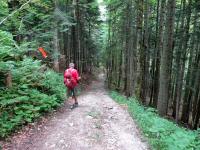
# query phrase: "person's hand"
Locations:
[[79, 78]]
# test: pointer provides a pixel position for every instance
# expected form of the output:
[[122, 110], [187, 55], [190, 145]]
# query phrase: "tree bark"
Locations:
[[159, 48], [144, 56], [166, 58], [56, 43]]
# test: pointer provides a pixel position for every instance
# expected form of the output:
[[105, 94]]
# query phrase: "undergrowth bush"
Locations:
[[161, 133], [35, 88], [34, 92]]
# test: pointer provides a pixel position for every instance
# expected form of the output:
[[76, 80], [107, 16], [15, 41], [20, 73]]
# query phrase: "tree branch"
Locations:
[[10, 15]]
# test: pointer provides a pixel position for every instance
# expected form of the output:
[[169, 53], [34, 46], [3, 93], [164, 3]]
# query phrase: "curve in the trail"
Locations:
[[97, 124]]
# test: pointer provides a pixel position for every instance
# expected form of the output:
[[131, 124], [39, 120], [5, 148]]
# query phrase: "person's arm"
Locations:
[[77, 75]]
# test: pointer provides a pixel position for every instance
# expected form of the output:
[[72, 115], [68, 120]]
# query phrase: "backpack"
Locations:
[[68, 79]]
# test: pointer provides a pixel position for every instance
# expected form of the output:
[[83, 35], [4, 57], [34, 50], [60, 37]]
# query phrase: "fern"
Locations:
[[33, 93]]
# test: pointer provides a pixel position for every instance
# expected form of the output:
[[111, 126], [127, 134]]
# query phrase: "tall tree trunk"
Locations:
[[190, 73], [178, 63], [127, 51], [120, 68], [139, 34], [56, 42], [144, 55], [159, 48], [166, 58], [153, 66], [197, 117], [183, 59], [196, 96], [108, 63]]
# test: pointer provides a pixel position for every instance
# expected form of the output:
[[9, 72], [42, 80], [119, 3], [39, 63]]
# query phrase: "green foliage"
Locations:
[[34, 23], [9, 50], [6, 39], [3, 8], [34, 92], [6, 45], [161, 133]]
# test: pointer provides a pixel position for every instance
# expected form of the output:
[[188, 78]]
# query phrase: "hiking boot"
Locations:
[[75, 104]]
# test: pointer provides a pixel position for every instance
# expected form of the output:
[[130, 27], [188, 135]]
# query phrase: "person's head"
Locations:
[[71, 65]]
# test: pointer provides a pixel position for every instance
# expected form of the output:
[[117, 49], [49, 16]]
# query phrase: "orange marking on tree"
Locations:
[[44, 53]]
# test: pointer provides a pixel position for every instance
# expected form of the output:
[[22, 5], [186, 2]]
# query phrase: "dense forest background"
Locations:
[[153, 53], [63, 28]]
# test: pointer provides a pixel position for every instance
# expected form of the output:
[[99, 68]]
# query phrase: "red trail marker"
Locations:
[[44, 53]]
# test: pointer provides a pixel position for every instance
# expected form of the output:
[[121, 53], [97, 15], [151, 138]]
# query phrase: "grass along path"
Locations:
[[161, 133]]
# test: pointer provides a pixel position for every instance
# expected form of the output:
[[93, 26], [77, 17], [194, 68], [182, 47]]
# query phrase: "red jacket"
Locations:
[[71, 78]]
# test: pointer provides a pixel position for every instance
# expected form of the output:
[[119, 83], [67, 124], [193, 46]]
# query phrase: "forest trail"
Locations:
[[97, 124]]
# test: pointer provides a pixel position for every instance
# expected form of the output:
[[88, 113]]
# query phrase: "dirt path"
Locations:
[[97, 124]]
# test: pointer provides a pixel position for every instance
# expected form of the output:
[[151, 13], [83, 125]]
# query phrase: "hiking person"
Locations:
[[71, 79]]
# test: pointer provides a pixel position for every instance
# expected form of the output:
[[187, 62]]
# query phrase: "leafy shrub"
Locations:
[[34, 92], [161, 133]]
